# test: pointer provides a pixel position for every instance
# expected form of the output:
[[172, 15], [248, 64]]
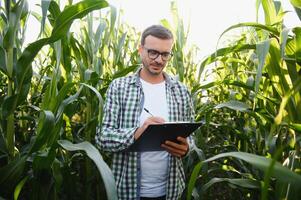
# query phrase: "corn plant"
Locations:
[[252, 134], [52, 93], [183, 65], [41, 163]]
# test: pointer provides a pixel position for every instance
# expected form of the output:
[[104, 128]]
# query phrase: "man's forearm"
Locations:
[[114, 140]]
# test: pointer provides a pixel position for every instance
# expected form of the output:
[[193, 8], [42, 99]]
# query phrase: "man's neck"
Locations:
[[151, 78]]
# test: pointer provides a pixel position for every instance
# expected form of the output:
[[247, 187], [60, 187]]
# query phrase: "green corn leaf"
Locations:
[[11, 173], [262, 50], [60, 29], [57, 174], [194, 176], [57, 74], [296, 3], [285, 100], [43, 159], [76, 11], [75, 49], [269, 12], [113, 18], [3, 60], [283, 41], [66, 58], [242, 183], [222, 52], [82, 54], [100, 100], [234, 105], [19, 188], [280, 172], [206, 85], [55, 11], [23, 68], [48, 102], [62, 94], [125, 71], [290, 59], [8, 105], [3, 146], [45, 6], [45, 126], [297, 32], [295, 126], [279, 76], [55, 134], [166, 24], [25, 87], [267, 28], [102, 167], [3, 20], [238, 84], [118, 49], [14, 18], [298, 12], [98, 35], [258, 2], [63, 104], [91, 77]]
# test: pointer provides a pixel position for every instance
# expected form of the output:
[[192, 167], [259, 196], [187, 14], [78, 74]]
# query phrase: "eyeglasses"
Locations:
[[154, 54]]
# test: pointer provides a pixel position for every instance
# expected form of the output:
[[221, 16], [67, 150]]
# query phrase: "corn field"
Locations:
[[52, 93]]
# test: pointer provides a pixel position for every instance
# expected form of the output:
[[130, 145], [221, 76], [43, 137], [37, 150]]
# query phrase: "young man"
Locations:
[[149, 96]]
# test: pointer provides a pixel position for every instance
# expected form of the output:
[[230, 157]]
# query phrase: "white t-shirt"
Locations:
[[154, 164]]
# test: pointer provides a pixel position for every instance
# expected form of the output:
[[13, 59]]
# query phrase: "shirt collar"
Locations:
[[170, 82]]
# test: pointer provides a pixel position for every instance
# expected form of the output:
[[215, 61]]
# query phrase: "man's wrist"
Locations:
[[138, 132]]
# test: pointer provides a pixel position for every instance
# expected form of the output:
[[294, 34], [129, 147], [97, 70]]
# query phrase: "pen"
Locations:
[[148, 111]]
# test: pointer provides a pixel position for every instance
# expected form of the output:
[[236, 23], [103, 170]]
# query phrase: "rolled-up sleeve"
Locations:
[[111, 136]]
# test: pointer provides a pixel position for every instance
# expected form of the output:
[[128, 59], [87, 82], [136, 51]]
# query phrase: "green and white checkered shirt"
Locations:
[[122, 110]]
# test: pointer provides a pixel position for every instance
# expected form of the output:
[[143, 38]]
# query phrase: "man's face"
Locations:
[[155, 47]]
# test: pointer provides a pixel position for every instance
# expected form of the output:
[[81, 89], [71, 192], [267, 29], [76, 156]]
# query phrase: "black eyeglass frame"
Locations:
[[154, 54]]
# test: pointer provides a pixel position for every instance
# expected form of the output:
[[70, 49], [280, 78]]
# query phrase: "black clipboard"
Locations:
[[156, 134]]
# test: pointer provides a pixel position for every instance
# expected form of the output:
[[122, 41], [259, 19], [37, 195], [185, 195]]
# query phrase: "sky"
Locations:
[[208, 19]]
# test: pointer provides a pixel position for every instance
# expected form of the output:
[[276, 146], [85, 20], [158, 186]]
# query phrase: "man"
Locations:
[[149, 96]]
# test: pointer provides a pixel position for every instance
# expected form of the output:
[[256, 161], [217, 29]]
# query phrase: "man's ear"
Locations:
[[140, 48]]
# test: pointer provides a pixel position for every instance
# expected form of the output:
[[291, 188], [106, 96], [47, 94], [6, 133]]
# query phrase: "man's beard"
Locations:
[[149, 69]]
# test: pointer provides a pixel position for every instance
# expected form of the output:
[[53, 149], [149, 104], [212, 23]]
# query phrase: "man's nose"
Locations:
[[159, 58]]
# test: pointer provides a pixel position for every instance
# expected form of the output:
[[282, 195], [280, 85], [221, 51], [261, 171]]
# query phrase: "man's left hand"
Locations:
[[177, 149]]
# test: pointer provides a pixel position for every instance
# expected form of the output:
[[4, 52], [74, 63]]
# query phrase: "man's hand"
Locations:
[[177, 149], [147, 122]]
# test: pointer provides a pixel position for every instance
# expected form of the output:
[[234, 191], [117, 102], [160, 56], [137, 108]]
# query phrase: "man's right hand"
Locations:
[[147, 122]]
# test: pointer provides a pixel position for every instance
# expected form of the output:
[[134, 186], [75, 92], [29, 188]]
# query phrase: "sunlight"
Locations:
[[206, 19]]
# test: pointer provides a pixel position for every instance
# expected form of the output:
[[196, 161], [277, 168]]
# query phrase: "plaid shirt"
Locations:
[[122, 110]]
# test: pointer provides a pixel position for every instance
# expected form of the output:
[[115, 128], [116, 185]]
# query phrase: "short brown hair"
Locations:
[[157, 31]]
